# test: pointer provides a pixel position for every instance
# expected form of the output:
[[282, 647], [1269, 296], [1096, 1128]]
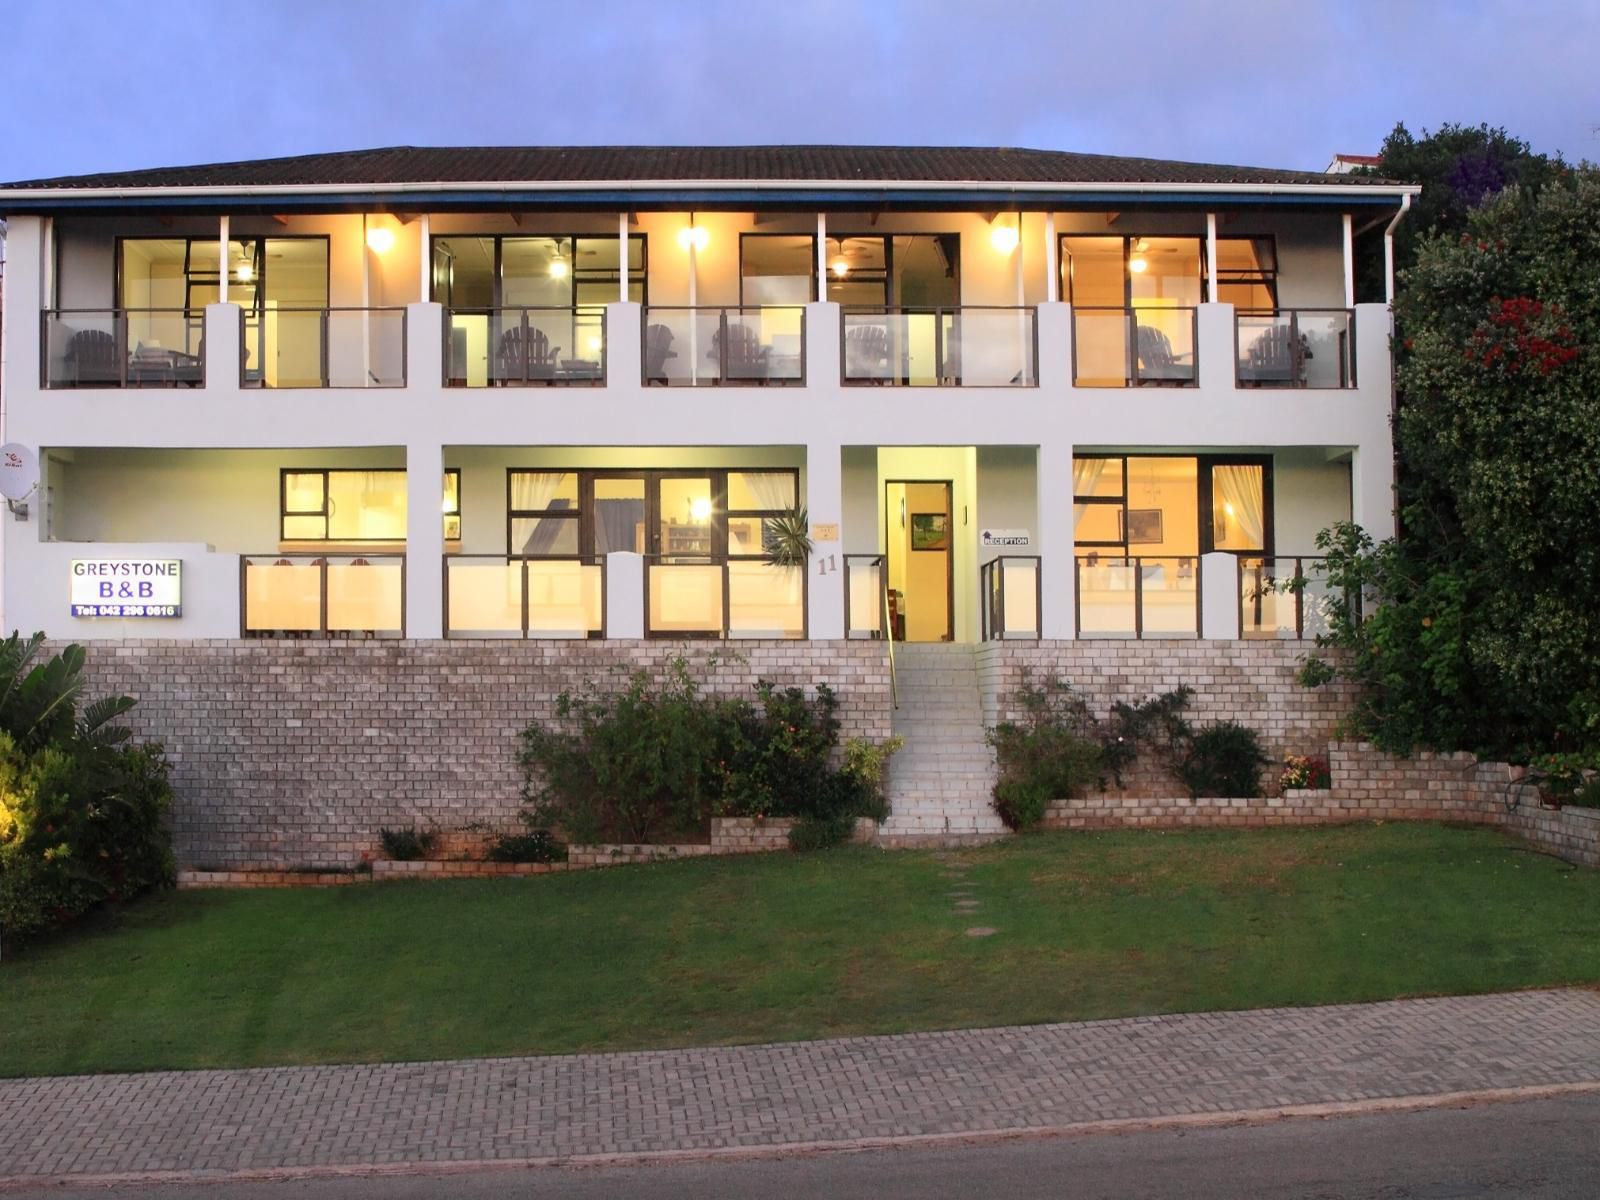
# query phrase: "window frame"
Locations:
[[1264, 278], [570, 249], [1206, 534], [258, 284], [890, 301], [284, 512]]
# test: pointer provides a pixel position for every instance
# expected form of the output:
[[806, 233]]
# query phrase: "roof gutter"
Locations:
[[1308, 190], [1388, 248]]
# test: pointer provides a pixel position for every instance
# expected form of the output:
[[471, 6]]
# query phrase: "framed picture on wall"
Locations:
[[930, 531], [1144, 525]]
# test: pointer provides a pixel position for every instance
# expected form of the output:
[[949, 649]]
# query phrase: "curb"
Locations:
[[977, 1137]]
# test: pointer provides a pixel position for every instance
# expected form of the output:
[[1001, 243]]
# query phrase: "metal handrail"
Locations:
[[526, 374], [888, 630], [722, 378], [1297, 353], [992, 595], [1030, 312], [1137, 561], [1132, 374]]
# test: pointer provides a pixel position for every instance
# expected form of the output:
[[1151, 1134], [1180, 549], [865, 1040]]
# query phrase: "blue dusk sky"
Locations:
[[93, 85]]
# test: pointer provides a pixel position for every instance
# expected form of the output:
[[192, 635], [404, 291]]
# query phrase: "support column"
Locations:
[[425, 259], [1349, 263], [222, 262], [1052, 262], [822, 256], [424, 540], [1211, 257], [1058, 582], [825, 507], [622, 256], [1219, 596]]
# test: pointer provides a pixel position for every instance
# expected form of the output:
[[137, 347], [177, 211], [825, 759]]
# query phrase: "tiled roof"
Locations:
[[509, 165]]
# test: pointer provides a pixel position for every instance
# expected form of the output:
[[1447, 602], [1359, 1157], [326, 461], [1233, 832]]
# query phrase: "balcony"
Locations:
[[323, 348], [1283, 598], [718, 347], [1296, 348], [304, 596], [123, 348], [518, 347], [940, 347], [1138, 597], [489, 595], [723, 598], [1009, 598], [1135, 347]]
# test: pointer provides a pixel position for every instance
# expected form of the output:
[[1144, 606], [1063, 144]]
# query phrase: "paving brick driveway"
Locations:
[[971, 1081]]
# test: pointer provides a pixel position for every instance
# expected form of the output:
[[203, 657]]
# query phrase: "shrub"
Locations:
[[407, 843], [1588, 796], [662, 759], [1221, 759], [81, 811], [534, 846]]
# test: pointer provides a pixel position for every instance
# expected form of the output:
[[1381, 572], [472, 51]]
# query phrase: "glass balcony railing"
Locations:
[[1135, 347], [1009, 597], [1296, 348], [124, 347], [302, 595], [940, 347], [498, 347], [1283, 598], [490, 595], [865, 601], [723, 598], [1138, 597], [736, 347], [324, 348]]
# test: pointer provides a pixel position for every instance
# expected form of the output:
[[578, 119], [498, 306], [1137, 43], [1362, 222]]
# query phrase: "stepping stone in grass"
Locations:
[[982, 931]]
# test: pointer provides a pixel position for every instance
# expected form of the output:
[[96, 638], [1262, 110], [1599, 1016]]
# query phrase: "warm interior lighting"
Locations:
[[558, 267], [380, 239], [243, 273], [693, 235], [1227, 507], [1137, 265], [840, 267], [700, 510], [1004, 238], [593, 343]]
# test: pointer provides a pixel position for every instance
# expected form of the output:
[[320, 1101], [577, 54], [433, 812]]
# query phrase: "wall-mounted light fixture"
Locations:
[[693, 235], [1005, 238], [380, 239]]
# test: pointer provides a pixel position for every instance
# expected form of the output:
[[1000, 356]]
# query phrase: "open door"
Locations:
[[921, 560]]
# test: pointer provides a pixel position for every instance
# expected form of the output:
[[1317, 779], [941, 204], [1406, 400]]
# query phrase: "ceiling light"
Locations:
[[1004, 238], [243, 273], [840, 267], [1137, 265], [700, 509], [558, 267], [694, 236], [1142, 244], [381, 239]]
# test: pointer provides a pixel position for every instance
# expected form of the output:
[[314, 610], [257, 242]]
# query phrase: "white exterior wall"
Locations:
[[1013, 446]]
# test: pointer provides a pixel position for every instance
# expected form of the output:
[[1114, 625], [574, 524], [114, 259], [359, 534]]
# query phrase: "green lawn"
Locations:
[[784, 946]]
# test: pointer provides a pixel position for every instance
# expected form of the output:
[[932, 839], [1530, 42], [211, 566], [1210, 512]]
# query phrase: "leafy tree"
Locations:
[[1459, 167], [1488, 634]]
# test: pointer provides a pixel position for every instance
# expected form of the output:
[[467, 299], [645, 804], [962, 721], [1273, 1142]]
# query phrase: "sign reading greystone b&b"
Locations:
[[127, 587]]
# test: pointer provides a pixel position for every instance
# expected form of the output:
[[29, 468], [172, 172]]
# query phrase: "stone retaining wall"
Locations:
[[1367, 785], [1252, 682], [295, 753]]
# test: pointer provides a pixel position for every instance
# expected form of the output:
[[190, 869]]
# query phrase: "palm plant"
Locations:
[[787, 538], [38, 702]]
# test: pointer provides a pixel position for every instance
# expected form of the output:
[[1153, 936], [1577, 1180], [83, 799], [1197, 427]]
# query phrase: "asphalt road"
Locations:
[[1540, 1148]]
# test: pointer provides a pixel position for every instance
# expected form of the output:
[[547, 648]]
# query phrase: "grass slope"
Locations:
[[783, 946]]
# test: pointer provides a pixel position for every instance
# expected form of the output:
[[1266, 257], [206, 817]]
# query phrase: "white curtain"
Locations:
[[1238, 507], [774, 492], [535, 491]]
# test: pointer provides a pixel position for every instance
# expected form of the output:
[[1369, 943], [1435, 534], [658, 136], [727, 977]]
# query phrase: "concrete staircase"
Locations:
[[939, 783]]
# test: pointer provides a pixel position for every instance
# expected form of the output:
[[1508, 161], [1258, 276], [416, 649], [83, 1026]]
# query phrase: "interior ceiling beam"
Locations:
[[1113, 217], [872, 218], [633, 217], [280, 218], [405, 218], [516, 219], [765, 218], [990, 217]]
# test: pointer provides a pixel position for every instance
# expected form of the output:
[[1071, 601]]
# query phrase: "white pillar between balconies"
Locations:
[[1057, 566], [1215, 348], [1349, 263], [1219, 596], [424, 258], [1052, 262], [825, 508], [1211, 257], [822, 256], [622, 256], [624, 594], [424, 540], [624, 366], [222, 260], [224, 343]]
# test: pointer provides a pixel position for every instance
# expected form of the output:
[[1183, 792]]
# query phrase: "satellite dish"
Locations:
[[19, 471]]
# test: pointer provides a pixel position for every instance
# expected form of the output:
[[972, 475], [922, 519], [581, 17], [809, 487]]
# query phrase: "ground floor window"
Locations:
[[318, 504], [1172, 505]]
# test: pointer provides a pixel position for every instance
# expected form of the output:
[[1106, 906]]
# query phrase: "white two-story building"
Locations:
[[546, 392]]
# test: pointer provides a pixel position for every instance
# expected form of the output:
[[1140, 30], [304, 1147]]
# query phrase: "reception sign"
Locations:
[[127, 587]]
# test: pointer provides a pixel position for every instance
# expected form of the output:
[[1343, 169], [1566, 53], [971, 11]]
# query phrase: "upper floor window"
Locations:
[[919, 270], [1131, 272], [182, 273], [336, 505], [558, 271], [1247, 273]]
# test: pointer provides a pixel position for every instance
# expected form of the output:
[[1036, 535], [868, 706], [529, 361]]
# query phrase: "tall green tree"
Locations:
[[1488, 637], [1459, 168]]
